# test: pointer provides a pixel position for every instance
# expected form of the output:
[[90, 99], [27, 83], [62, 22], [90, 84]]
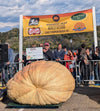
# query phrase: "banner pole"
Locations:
[[20, 41], [95, 29]]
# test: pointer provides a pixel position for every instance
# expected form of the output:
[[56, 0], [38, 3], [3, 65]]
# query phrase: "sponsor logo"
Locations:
[[34, 21], [78, 16], [33, 31], [79, 26], [56, 18]]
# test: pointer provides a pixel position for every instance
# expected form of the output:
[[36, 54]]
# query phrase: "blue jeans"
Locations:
[[96, 71], [8, 71]]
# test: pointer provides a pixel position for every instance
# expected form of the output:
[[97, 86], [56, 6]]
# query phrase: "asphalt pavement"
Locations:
[[83, 99]]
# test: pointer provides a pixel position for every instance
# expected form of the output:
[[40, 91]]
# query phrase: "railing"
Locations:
[[88, 73], [8, 71], [83, 73], [70, 65]]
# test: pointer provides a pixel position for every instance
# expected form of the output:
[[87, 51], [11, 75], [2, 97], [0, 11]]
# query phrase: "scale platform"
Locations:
[[17, 105]]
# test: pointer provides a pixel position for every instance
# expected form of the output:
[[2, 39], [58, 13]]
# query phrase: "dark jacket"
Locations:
[[16, 60], [48, 55], [59, 54], [95, 57]]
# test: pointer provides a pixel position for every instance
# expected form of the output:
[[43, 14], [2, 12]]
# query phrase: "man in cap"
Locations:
[[48, 55]]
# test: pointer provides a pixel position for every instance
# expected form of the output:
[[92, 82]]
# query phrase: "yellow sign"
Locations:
[[75, 22]]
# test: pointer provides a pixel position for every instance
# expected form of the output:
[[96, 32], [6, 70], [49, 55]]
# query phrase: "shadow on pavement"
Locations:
[[92, 92]]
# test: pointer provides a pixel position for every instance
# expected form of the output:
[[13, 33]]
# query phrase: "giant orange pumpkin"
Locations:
[[41, 83]]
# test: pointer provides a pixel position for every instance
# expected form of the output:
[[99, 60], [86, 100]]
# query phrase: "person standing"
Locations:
[[69, 64], [17, 59], [8, 65], [59, 53], [48, 55], [33, 45], [40, 45], [83, 50], [87, 70], [82, 64], [96, 56]]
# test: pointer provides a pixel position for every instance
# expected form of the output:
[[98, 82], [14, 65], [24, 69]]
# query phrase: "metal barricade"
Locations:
[[83, 73], [78, 73], [70, 65], [8, 71], [89, 73]]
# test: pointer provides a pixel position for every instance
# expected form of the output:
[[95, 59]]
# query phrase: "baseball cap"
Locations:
[[46, 44]]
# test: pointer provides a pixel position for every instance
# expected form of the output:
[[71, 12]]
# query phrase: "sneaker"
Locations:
[[91, 82], [97, 84]]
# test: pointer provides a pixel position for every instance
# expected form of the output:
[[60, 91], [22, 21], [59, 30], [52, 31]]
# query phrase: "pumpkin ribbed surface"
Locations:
[[41, 83]]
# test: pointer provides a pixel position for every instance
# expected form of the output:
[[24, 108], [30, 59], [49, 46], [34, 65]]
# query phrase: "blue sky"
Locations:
[[11, 9]]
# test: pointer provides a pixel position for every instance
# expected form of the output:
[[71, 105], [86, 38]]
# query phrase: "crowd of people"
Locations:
[[66, 57]]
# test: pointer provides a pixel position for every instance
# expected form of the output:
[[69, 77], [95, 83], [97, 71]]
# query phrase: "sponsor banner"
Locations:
[[34, 53], [75, 22]]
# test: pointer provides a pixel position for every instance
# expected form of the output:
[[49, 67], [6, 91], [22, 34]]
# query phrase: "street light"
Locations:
[[71, 43]]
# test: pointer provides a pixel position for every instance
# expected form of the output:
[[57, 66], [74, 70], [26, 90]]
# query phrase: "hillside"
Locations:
[[12, 37]]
